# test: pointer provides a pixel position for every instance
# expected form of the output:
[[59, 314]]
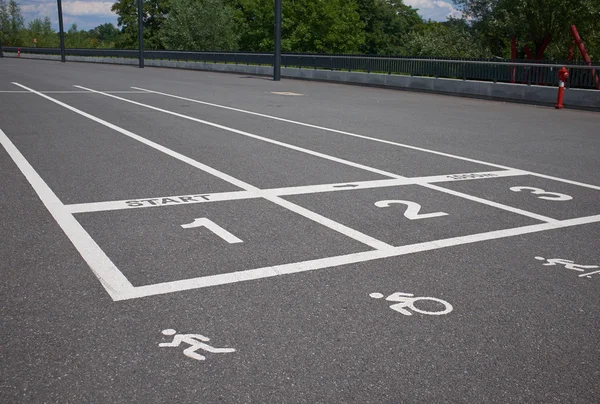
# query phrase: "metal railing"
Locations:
[[492, 70]]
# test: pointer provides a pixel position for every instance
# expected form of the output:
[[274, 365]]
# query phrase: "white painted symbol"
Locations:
[[195, 341], [407, 301], [412, 209], [215, 228], [568, 264], [550, 196]]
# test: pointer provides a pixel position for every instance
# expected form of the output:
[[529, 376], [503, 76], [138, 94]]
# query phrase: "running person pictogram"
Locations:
[[195, 342]]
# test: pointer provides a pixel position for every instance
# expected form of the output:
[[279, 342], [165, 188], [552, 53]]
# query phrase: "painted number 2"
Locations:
[[549, 196], [412, 209]]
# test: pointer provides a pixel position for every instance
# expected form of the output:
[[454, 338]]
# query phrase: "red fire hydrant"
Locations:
[[563, 75], [18, 52]]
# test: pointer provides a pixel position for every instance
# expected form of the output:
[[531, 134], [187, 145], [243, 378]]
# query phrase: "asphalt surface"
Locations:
[[99, 195]]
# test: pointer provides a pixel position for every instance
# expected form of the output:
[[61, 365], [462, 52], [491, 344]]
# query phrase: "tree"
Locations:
[[105, 33], [77, 39], [535, 23], [41, 30], [447, 40], [386, 24], [155, 13], [325, 26], [200, 25], [11, 22]]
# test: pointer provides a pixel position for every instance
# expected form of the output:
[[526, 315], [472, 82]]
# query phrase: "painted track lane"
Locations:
[[519, 331]]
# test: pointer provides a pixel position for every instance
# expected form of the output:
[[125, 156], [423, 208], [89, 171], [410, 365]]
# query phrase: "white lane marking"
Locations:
[[331, 262], [147, 142], [341, 132], [215, 228], [491, 203], [286, 191], [72, 92], [160, 201], [251, 135], [412, 209], [285, 93], [109, 275], [347, 231], [549, 196], [322, 155]]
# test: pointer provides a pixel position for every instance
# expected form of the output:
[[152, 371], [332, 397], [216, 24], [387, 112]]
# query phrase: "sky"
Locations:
[[88, 14]]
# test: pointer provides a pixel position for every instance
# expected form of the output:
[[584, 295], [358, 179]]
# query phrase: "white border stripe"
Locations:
[[115, 283], [300, 190]]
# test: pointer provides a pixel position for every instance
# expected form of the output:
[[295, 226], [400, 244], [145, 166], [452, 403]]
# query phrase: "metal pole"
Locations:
[[277, 61], [141, 32], [61, 31]]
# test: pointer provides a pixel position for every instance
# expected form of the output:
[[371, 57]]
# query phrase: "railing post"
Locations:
[[331, 63], [464, 71], [314, 63]]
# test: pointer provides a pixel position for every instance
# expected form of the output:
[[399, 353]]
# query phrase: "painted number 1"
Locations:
[[412, 209], [215, 228], [549, 196]]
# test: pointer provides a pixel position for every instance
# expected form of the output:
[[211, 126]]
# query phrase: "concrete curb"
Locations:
[[574, 98]]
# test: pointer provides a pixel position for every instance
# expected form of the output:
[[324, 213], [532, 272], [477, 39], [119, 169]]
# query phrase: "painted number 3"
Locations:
[[549, 196]]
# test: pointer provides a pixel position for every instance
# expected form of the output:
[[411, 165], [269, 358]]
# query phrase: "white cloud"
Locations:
[[85, 13], [437, 10], [98, 8], [78, 7]]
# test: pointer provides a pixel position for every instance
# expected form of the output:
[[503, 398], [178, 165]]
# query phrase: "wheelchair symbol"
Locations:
[[406, 302]]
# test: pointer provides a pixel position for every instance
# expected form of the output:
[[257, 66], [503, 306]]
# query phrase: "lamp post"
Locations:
[[141, 32], [61, 30], [277, 61]]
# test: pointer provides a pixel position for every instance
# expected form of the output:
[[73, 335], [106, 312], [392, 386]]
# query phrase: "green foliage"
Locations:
[[11, 23], [76, 39], [322, 26], [155, 14], [452, 40], [42, 31], [200, 25], [533, 21], [105, 33], [386, 24]]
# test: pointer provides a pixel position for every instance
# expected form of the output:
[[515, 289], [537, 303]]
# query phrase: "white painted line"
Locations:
[[314, 153], [171, 200], [363, 238], [72, 92], [331, 262], [341, 132], [162, 201], [111, 278], [490, 203], [285, 93], [251, 135]]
